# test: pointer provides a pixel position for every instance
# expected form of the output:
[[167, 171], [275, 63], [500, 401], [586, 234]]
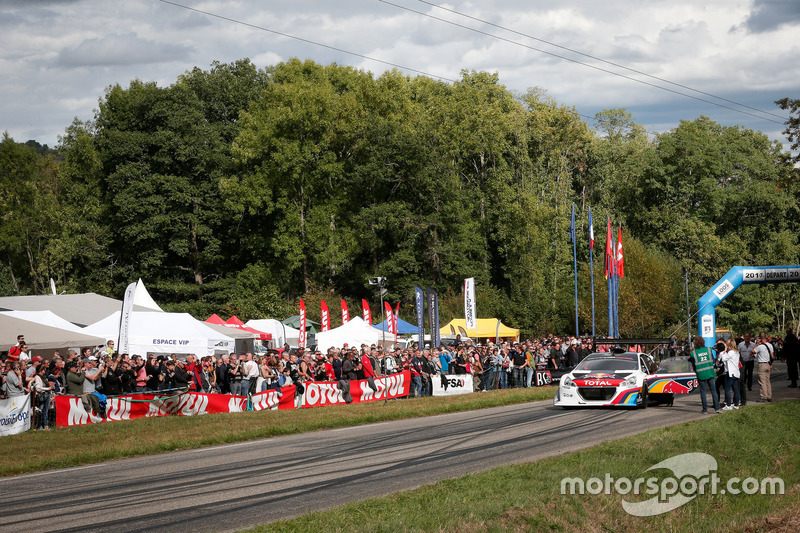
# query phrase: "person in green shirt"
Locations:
[[702, 359]]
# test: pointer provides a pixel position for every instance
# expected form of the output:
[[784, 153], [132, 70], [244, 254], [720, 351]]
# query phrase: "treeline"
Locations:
[[238, 190]]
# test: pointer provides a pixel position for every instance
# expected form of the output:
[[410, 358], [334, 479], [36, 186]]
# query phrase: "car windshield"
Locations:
[[674, 364], [608, 363]]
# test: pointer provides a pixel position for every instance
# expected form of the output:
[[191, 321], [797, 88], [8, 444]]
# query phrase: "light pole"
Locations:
[[380, 282]]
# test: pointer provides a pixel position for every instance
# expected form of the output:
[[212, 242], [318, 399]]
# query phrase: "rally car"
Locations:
[[627, 379]]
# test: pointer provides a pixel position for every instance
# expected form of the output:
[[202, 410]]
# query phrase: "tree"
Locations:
[[792, 130]]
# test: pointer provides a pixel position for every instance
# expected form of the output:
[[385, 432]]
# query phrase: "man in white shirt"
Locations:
[[250, 369], [746, 348], [763, 357]]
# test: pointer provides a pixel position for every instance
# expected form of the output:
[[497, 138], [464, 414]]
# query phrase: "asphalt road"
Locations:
[[231, 487]]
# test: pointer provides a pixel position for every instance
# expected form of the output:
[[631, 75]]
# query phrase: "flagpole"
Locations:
[[591, 263], [609, 278], [616, 292], [575, 268]]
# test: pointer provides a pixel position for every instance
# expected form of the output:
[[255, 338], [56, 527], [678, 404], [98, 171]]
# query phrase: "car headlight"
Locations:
[[631, 381], [568, 382]]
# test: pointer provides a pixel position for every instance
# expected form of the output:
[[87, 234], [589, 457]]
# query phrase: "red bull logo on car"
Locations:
[[683, 384]]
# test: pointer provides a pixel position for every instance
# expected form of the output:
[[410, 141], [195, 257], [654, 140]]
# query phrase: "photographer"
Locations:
[[236, 376], [74, 378], [111, 384], [15, 383], [152, 372], [92, 375], [208, 377], [43, 389], [167, 373], [180, 378]]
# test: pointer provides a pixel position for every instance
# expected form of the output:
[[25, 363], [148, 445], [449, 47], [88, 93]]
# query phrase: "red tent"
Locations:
[[234, 322], [215, 319]]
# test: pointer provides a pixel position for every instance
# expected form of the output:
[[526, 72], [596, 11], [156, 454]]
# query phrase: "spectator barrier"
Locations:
[[16, 414], [70, 410]]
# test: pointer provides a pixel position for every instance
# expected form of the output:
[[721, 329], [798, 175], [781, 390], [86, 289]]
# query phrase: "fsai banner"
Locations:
[[16, 414], [452, 385]]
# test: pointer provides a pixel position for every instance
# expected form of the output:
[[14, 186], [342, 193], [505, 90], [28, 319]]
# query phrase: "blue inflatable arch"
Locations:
[[736, 276]]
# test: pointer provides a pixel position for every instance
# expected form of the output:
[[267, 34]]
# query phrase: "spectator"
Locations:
[[43, 390], [746, 348], [763, 354], [730, 362], [15, 382], [790, 352]]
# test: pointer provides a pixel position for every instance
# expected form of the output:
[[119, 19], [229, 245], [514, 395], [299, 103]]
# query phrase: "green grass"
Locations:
[[62, 447], [754, 442]]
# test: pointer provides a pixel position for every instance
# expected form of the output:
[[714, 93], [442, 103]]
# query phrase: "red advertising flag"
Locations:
[[396, 320], [345, 313], [326, 323], [387, 307], [302, 340], [620, 257], [609, 252], [367, 315]]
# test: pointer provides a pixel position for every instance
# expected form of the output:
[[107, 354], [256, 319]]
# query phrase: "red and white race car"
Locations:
[[627, 379]]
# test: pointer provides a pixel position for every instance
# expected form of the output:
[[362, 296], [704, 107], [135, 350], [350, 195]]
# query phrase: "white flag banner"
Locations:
[[123, 343], [16, 415], [470, 315]]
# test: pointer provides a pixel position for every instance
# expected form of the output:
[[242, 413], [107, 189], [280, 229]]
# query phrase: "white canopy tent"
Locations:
[[354, 333], [42, 336], [165, 333], [244, 340], [46, 318], [80, 309], [281, 334]]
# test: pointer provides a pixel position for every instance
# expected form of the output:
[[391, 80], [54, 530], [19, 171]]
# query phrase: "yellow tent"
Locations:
[[487, 329]]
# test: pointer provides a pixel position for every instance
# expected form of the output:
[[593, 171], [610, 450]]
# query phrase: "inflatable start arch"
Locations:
[[730, 282]]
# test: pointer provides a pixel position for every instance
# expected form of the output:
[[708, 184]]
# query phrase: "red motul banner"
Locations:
[[323, 393], [301, 343], [70, 410], [345, 313], [326, 323], [367, 314]]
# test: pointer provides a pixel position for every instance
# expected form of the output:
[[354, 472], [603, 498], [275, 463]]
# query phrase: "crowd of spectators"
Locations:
[[99, 372]]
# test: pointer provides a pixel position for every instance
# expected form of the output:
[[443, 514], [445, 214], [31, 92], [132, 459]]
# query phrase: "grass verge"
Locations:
[[756, 442], [62, 447]]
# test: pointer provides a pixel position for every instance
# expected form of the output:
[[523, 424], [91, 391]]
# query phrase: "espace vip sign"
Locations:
[[452, 385]]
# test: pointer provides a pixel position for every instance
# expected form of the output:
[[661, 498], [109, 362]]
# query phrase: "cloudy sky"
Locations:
[[733, 58]]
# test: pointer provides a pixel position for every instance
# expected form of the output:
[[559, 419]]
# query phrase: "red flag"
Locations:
[[326, 323], [301, 342], [620, 257], [387, 307], [345, 313], [609, 252], [396, 320], [367, 315]]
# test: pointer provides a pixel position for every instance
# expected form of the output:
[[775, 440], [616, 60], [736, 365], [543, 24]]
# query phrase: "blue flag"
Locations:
[[419, 298], [572, 225]]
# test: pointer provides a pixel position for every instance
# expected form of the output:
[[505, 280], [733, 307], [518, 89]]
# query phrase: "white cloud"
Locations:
[[126, 49], [58, 56]]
